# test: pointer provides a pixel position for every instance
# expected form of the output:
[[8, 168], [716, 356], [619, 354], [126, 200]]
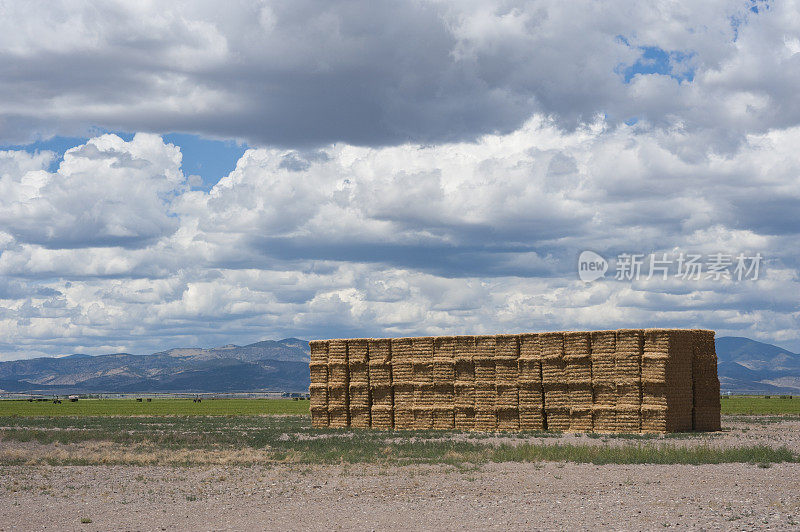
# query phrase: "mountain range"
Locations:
[[269, 366], [745, 366]]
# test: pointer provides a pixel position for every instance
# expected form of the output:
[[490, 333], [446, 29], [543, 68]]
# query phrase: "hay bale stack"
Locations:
[[531, 395], [604, 381], [380, 384], [319, 383], [402, 383], [628, 376], [358, 401], [667, 380], [706, 413], [444, 350], [554, 381], [578, 365], [485, 386], [422, 369], [338, 381], [630, 380], [507, 381], [464, 384]]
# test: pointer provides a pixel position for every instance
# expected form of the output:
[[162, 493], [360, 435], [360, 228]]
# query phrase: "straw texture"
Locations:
[[628, 377], [318, 389], [706, 413], [629, 380]]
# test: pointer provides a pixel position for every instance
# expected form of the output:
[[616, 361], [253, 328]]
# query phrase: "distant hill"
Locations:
[[748, 366], [745, 366], [274, 366]]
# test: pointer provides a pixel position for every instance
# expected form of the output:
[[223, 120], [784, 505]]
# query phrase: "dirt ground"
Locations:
[[552, 496], [496, 496]]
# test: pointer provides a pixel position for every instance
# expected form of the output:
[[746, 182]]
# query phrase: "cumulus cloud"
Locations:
[[107, 192], [367, 73], [419, 168], [455, 237]]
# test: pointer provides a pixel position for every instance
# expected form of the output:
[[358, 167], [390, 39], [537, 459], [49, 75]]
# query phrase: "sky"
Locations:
[[177, 175]]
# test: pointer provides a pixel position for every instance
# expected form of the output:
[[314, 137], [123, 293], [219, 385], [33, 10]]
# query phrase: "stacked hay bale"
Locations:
[[706, 413], [554, 381], [507, 381], [444, 350], [630, 380], [485, 386], [403, 383], [358, 383], [578, 364], [667, 381], [422, 367], [627, 371], [380, 384], [531, 396], [464, 384], [319, 383], [604, 381], [338, 405]]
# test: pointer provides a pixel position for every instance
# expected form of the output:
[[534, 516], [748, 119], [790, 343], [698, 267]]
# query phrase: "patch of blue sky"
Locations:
[[755, 7], [207, 158], [654, 60], [210, 159]]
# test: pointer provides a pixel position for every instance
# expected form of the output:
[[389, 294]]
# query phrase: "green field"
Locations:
[[246, 431], [760, 405], [732, 405], [157, 407]]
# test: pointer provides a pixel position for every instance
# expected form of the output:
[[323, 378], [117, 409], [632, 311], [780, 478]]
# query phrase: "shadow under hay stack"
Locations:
[[629, 380]]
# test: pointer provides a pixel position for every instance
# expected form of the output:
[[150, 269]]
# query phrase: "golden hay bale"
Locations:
[[485, 420], [337, 351], [464, 418], [423, 418], [403, 419], [358, 372], [337, 396], [357, 351], [464, 395], [319, 373], [557, 418], [337, 373], [379, 350], [381, 395], [444, 418], [580, 419], [319, 417], [381, 417], [360, 418], [380, 374], [319, 351], [604, 418], [507, 419], [531, 419], [403, 396], [339, 417], [358, 396], [507, 396], [319, 395]]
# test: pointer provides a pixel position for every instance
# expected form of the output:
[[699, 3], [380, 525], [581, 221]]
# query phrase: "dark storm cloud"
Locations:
[[306, 73]]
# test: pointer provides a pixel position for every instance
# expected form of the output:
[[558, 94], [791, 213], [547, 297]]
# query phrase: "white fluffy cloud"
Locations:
[[452, 238], [425, 167], [105, 193]]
